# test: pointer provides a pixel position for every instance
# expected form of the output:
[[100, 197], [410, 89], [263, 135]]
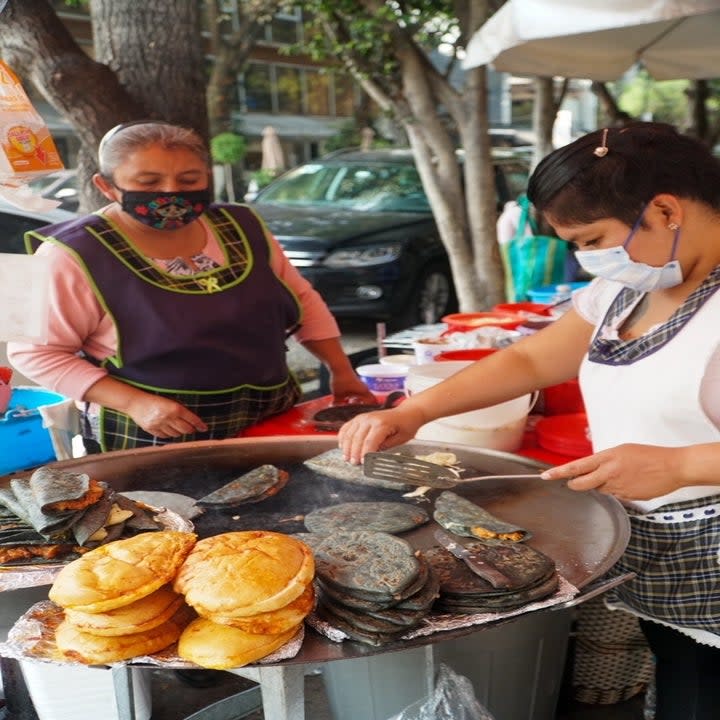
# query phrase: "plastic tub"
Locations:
[[498, 427], [25, 442], [428, 347], [383, 379]]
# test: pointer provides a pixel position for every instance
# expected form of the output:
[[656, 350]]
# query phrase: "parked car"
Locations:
[[60, 186], [358, 226], [14, 223]]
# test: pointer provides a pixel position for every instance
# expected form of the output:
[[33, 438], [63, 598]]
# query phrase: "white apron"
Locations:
[[647, 391]]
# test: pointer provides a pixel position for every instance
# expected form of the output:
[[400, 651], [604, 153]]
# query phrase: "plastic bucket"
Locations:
[[498, 427], [28, 443]]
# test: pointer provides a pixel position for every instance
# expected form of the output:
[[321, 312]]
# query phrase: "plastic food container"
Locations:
[[472, 321], [383, 379], [28, 443], [427, 348], [565, 434]]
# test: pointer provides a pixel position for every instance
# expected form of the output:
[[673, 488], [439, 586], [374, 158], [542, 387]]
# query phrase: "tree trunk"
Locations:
[[138, 72], [544, 112], [38, 46], [164, 72], [699, 92]]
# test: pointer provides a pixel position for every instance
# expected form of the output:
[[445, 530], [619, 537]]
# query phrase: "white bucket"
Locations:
[[398, 360], [498, 427], [75, 692]]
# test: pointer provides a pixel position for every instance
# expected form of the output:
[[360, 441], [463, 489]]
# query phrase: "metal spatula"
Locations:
[[407, 469]]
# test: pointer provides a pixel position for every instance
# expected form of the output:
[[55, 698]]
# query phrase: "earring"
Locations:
[[673, 226]]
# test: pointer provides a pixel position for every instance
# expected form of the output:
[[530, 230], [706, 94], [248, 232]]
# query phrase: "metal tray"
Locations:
[[585, 533]]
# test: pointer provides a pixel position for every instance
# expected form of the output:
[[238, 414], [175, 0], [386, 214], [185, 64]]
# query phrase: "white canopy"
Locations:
[[601, 39]]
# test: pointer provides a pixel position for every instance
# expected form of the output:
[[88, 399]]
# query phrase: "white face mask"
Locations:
[[615, 264]]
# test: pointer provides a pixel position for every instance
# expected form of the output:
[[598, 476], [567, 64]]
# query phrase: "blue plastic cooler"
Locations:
[[24, 442]]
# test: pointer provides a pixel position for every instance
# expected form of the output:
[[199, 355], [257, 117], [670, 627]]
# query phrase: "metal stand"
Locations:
[[281, 694]]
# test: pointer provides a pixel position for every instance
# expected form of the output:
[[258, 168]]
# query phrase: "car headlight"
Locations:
[[360, 257]]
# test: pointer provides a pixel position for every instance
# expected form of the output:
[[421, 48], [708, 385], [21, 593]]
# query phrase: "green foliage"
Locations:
[[368, 38], [228, 148], [263, 177], [666, 101]]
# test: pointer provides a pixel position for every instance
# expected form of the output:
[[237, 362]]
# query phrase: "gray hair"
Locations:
[[124, 139]]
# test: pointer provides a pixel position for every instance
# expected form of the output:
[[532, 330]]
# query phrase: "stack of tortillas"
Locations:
[[252, 591], [373, 586], [117, 598]]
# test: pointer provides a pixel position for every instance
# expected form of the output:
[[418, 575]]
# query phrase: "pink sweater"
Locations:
[[78, 322]]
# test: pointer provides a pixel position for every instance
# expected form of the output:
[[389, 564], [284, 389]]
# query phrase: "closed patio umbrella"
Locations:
[[272, 152], [601, 39]]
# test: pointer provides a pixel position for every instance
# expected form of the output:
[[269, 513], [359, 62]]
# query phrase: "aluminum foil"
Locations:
[[15, 577], [33, 638], [438, 623]]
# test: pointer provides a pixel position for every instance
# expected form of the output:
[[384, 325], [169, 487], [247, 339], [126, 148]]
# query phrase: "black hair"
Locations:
[[573, 185]]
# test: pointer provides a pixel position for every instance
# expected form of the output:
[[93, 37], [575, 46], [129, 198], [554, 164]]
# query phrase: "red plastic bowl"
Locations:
[[467, 354], [523, 307], [464, 322]]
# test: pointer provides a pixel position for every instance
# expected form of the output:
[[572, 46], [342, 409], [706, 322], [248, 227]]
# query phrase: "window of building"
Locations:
[[318, 92], [284, 28], [258, 88], [344, 95], [289, 89]]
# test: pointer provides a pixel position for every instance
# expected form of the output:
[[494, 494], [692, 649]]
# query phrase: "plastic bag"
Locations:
[[452, 699], [27, 149], [531, 260]]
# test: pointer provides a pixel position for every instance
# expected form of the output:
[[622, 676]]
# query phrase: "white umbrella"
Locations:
[[601, 39], [272, 152]]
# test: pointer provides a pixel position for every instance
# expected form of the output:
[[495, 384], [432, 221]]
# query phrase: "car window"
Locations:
[[12, 229], [379, 187]]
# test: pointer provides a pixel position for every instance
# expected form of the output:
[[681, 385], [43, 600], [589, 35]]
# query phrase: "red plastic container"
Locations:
[[563, 398], [565, 434], [466, 354], [465, 322], [523, 307]]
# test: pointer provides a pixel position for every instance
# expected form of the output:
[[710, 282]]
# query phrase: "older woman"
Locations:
[[642, 204], [170, 314]]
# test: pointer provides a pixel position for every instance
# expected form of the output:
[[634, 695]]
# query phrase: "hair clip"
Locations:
[[602, 150]]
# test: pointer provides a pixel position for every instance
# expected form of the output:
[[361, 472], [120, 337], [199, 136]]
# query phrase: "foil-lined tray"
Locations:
[[14, 577]]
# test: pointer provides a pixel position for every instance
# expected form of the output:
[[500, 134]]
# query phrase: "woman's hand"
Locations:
[[629, 472], [163, 417], [377, 431], [348, 388]]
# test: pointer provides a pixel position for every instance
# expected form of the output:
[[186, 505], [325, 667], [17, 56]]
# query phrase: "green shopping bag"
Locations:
[[531, 260]]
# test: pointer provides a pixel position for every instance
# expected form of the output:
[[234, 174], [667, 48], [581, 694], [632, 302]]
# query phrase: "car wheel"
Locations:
[[431, 299]]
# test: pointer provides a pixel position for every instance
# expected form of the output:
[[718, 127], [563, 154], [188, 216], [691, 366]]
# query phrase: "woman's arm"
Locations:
[[345, 385], [548, 357]]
